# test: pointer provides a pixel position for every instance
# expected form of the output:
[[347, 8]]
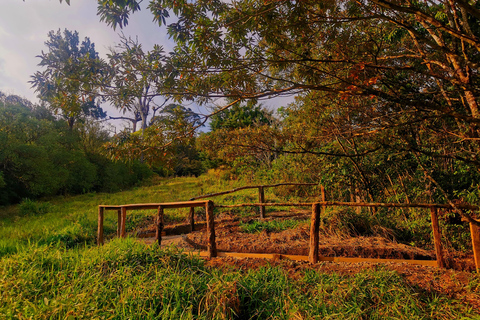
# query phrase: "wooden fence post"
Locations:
[[159, 225], [211, 245], [100, 226], [324, 207], [314, 233], [123, 222], [475, 233], [119, 222], [191, 219], [437, 239], [261, 199]]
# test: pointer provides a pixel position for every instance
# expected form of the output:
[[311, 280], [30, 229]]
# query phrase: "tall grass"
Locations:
[[128, 280]]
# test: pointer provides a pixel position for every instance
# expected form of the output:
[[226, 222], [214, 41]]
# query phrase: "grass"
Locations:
[[51, 269], [128, 280], [257, 226]]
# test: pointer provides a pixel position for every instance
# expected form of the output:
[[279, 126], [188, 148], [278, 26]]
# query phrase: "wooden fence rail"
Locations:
[[318, 211], [261, 192]]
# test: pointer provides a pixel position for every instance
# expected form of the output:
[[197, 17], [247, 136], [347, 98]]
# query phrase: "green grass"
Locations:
[[128, 280], [51, 269], [257, 226]]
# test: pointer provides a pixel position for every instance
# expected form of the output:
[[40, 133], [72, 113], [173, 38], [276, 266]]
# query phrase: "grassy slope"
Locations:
[[47, 272]]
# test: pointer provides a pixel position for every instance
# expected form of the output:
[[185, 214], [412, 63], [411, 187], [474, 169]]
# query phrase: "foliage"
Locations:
[[40, 157], [136, 79], [72, 69], [30, 207], [167, 145], [376, 83], [240, 116]]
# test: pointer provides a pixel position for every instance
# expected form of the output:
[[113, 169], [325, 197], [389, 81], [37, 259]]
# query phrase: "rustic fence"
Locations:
[[318, 211]]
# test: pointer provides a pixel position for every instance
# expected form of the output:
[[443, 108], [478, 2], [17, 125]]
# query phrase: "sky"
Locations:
[[24, 26]]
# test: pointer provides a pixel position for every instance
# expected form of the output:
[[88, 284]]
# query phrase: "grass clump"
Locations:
[[257, 226]]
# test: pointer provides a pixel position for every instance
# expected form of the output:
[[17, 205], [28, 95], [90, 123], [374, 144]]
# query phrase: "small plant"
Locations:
[[257, 226], [31, 207]]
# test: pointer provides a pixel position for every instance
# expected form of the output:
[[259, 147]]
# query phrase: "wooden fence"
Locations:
[[318, 210]]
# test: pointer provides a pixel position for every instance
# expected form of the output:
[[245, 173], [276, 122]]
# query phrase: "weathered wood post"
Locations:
[[100, 226], [119, 222], [314, 233], [123, 222], [191, 219], [211, 245], [261, 199], [159, 225], [475, 233], [437, 239], [324, 207]]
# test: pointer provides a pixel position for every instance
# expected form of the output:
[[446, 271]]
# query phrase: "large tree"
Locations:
[[73, 71], [403, 74], [136, 81]]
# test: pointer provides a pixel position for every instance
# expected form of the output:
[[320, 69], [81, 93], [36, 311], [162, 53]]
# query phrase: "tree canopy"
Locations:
[[72, 72]]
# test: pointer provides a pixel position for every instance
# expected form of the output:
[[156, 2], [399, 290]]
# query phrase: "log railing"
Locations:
[[261, 193], [318, 210], [159, 221]]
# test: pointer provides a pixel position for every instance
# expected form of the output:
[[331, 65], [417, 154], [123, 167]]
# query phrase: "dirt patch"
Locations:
[[230, 238]]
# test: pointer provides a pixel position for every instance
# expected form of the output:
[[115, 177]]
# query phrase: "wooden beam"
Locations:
[[159, 225], [324, 208], [352, 204], [437, 238], [261, 199], [276, 256], [252, 187], [475, 233], [211, 244], [100, 226], [314, 234], [167, 205], [123, 222]]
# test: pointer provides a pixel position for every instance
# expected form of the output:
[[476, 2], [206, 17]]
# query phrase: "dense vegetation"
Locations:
[[41, 156]]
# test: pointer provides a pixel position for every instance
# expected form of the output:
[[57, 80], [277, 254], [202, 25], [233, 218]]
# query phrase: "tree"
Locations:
[[407, 70], [137, 79], [240, 116], [168, 144], [72, 73], [415, 61]]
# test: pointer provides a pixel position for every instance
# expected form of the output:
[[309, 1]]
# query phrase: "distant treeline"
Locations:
[[41, 156]]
